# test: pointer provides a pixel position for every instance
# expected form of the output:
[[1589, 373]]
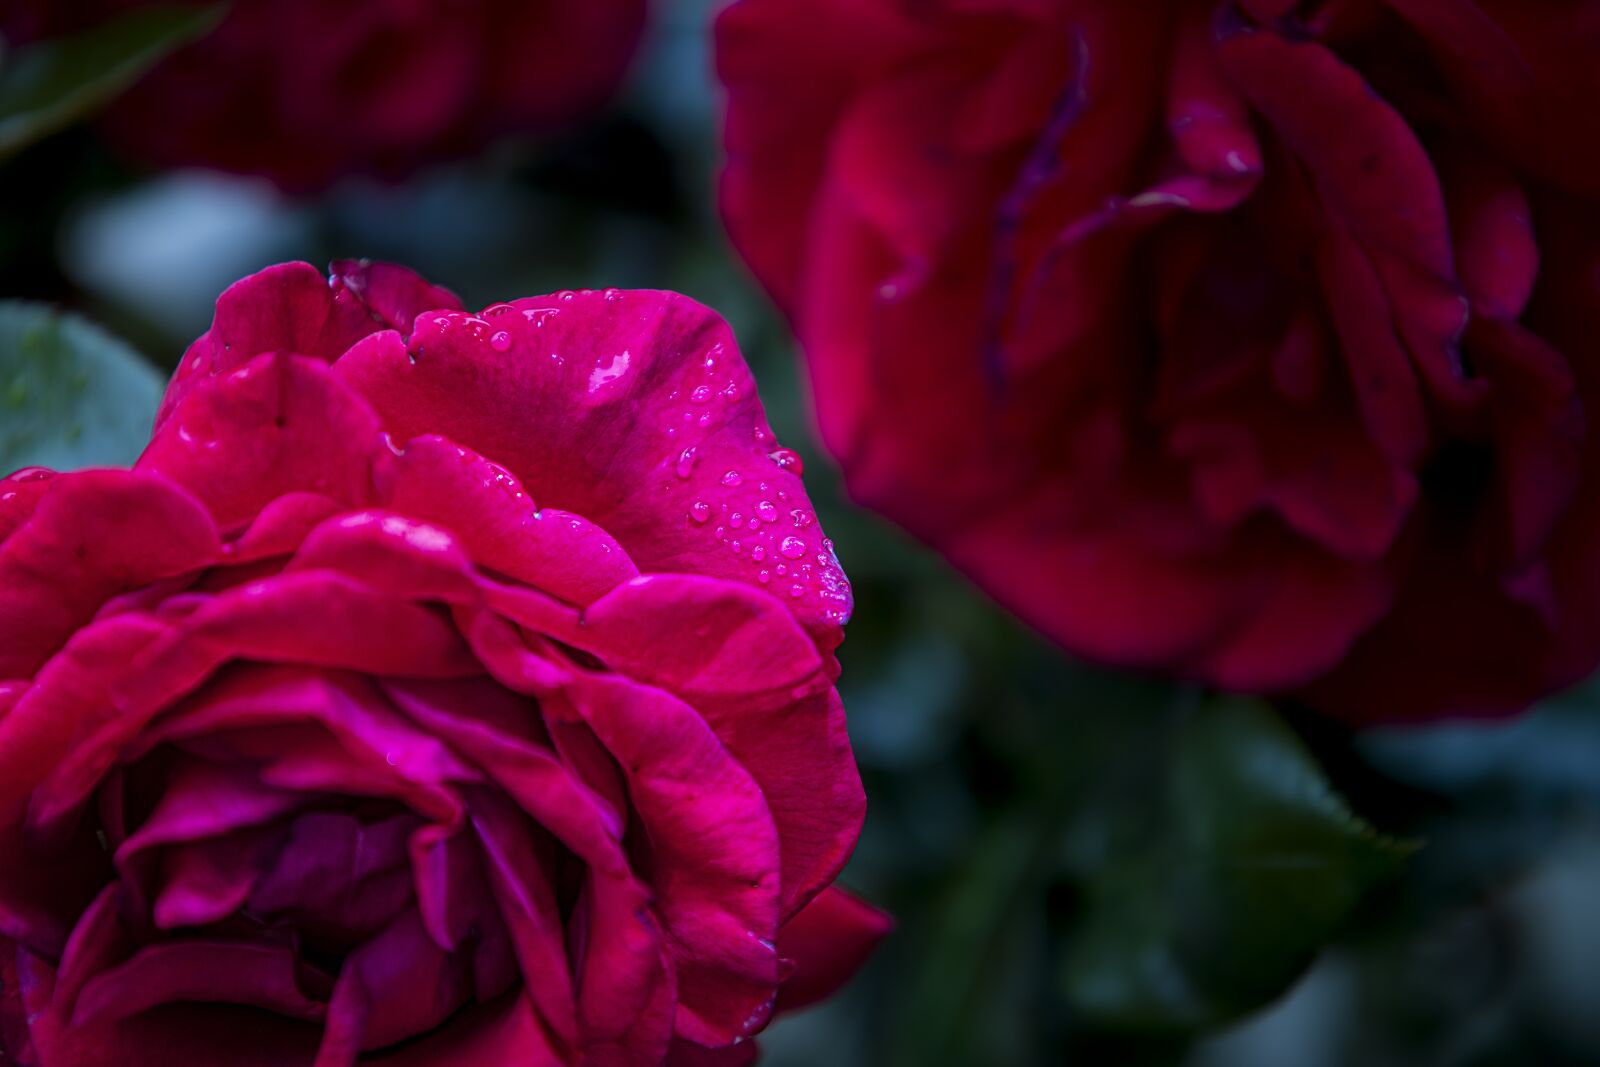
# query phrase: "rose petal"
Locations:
[[93, 534], [505, 1031], [204, 971], [485, 506], [19, 496], [289, 308], [277, 424], [827, 941], [68, 702], [632, 367], [392, 294], [713, 853], [337, 878], [311, 617], [395, 986], [519, 877]]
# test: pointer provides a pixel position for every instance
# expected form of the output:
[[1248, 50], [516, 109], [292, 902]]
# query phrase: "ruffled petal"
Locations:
[[647, 420], [486, 508], [293, 308], [713, 854], [827, 943], [92, 535], [278, 424]]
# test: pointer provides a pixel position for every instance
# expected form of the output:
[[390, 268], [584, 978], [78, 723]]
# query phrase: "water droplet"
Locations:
[[496, 309], [758, 553], [796, 591], [792, 547], [736, 520], [755, 524], [731, 393], [565, 296], [500, 342], [764, 577], [613, 295], [685, 465], [789, 460], [700, 511], [442, 322], [766, 512], [737, 548], [700, 395], [801, 517], [732, 478], [781, 569]]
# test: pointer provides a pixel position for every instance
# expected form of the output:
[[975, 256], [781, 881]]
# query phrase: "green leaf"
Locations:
[[71, 395], [1251, 864], [53, 83]]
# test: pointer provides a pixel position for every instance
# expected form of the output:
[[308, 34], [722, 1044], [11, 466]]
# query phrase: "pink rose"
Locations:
[[410, 693], [304, 91], [1249, 340]]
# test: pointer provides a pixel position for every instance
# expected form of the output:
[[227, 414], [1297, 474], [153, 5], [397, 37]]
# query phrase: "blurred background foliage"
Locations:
[[1086, 867]]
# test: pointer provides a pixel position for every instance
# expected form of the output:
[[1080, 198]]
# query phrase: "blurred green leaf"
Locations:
[[71, 395], [51, 84], [1251, 864]]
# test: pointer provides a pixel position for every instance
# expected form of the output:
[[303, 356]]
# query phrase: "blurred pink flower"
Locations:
[[304, 91], [1248, 340]]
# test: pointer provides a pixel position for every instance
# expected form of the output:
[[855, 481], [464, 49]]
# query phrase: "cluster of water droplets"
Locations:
[[769, 532], [483, 329], [766, 528], [700, 404]]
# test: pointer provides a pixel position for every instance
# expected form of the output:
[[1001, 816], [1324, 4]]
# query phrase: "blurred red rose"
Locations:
[[304, 91], [1249, 340], [411, 691]]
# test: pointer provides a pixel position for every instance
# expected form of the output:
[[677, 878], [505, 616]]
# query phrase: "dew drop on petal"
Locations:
[[700, 511], [685, 465], [732, 478], [764, 577], [796, 591], [788, 459], [758, 553], [766, 512], [792, 547], [500, 342]]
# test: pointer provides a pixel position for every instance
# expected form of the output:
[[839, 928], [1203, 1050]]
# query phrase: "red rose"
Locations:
[[304, 91], [1249, 340], [423, 686]]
